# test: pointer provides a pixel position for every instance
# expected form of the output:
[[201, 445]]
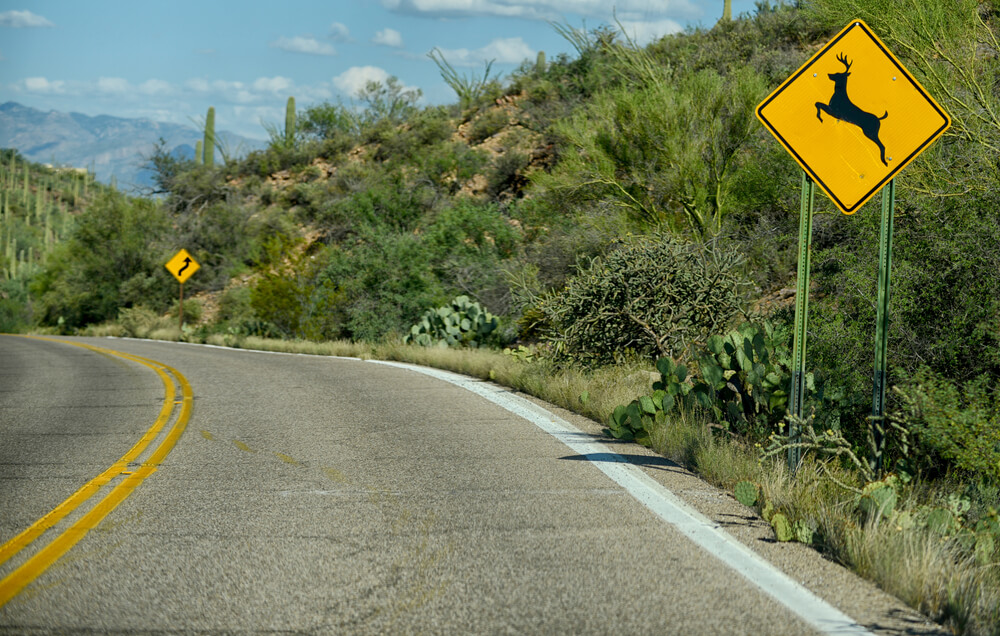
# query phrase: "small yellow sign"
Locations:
[[853, 117], [182, 266]]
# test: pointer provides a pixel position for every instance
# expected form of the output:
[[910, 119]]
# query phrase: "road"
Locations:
[[317, 495]]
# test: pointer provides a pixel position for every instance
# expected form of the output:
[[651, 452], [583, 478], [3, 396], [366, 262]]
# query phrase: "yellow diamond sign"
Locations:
[[853, 117], [182, 266]]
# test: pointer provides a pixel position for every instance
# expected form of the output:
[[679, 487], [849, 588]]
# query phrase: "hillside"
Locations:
[[110, 147], [617, 209]]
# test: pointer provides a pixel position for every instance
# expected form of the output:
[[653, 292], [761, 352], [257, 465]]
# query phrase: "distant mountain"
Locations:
[[109, 146]]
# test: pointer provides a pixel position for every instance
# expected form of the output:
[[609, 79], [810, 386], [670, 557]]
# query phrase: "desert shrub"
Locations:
[[382, 280], [945, 298], [426, 128], [507, 175], [277, 299], [388, 201], [139, 321], [449, 165], [222, 237], [235, 306], [654, 296], [112, 249], [662, 153], [952, 424], [487, 124], [466, 245]]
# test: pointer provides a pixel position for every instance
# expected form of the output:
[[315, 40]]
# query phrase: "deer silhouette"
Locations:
[[841, 107]]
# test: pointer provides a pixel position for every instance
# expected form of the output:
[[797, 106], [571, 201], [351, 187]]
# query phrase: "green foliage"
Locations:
[[326, 121], [383, 282], [388, 103], [664, 152], [471, 90], [953, 424], [463, 322], [507, 175], [745, 377], [655, 296], [637, 419], [487, 124], [110, 260]]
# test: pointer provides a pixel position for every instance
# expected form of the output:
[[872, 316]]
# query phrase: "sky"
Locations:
[[170, 61]]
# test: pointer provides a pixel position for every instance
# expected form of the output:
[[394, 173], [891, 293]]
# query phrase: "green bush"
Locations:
[[111, 254], [956, 423], [487, 124], [654, 296]]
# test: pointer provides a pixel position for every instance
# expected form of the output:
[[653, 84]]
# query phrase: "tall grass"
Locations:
[[931, 573]]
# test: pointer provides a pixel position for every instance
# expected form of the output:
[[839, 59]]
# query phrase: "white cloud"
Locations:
[[355, 78], [155, 87], [112, 85], [388, 37], [645, 32], [42, 85], [275, 84], [23, 19], [302, 44], [339, 32], [198, 85], [501, 51], [633, 10]]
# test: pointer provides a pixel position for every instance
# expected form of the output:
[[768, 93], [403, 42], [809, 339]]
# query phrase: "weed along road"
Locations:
[[167, 487]]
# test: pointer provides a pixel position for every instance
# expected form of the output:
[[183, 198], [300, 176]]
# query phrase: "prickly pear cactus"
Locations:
[[463, 322], [782, 528], [744, 377], [746, 493], [878, 499]]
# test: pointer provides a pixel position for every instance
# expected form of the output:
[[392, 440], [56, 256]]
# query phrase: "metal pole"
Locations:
[[798, 388], [180, 310], [877, 426]]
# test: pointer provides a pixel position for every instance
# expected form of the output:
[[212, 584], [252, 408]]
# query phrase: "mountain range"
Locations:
[[111, 147]]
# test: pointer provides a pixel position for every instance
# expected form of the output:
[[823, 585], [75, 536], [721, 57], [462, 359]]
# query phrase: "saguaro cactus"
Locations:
[[199, 155], [290, 122], [727, 10], [209, 145]]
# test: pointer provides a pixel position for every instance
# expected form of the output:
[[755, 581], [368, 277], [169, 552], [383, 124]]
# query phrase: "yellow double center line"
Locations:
[[17, 580]]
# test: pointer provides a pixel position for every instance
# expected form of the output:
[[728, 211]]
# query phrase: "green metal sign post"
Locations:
[[844, 163], [798, 389], [877, 427]]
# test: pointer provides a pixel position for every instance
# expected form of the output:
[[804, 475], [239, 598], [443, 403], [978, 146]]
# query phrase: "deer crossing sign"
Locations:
[[853, 117]]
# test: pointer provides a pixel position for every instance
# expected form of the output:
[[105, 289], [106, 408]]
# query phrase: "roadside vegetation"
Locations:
[[615, 233]]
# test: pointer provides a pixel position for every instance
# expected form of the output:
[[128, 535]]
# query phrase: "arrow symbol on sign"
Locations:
[[187, 262]]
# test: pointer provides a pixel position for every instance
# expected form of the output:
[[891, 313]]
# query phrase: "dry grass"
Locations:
[[930, 573]]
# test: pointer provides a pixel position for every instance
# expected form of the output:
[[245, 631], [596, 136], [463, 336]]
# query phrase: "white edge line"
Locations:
[[660, 500], [663, 503]]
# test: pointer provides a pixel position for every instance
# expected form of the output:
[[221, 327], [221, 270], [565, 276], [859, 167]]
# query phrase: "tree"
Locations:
[[390, 102], [664, 152], [110, 261]]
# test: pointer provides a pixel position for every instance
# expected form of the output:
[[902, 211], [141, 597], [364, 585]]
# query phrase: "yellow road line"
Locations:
[[11, 585]]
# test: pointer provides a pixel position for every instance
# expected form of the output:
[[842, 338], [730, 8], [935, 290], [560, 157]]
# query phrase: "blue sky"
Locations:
[[170, 61]]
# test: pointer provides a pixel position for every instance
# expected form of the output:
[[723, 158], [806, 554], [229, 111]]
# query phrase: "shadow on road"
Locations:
[[661, 463]]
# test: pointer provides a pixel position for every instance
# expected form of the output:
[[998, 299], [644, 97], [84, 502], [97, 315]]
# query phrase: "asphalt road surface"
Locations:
[[197, 489]]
